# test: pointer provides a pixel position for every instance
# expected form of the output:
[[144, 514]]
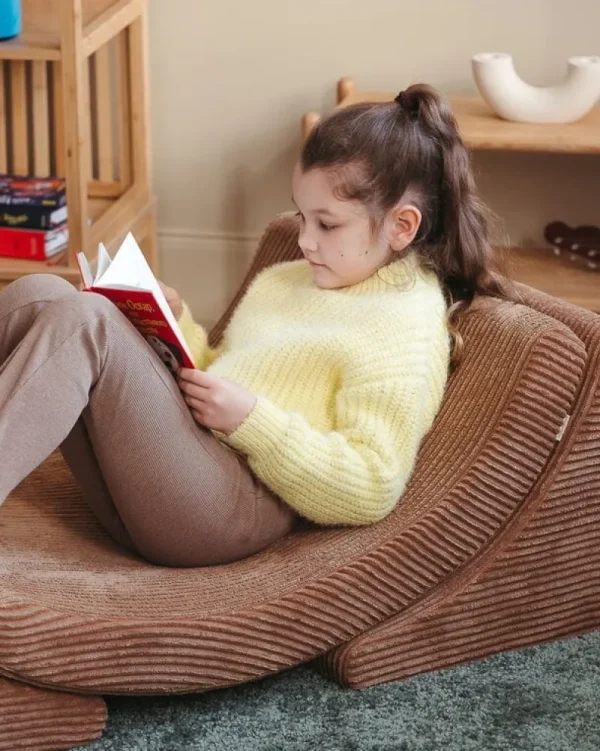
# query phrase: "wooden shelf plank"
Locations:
[[485, 130], [40, 38], [481, 129], [13, 268], [555, 275], [31, 45]]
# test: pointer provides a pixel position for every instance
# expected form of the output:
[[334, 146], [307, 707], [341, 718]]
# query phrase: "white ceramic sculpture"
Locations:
[[513, 99]]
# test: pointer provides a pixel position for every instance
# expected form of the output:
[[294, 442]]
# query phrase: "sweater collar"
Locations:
[[390, 277]]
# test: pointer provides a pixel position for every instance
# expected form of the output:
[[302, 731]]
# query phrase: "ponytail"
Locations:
[[457, 243]]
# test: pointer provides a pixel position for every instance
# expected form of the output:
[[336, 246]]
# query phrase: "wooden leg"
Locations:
[[346, 87], [74, 86], [308, 123], [39, 719]]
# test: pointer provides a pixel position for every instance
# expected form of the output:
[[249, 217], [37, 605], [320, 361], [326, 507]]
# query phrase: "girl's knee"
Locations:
[[40, 287], [85, 305]]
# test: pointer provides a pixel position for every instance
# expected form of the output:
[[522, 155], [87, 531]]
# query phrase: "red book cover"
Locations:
[[31, 244], [128, 282], [143, 310]]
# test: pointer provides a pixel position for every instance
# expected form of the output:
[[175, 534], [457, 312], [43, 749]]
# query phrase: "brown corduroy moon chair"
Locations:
[[495, 545]]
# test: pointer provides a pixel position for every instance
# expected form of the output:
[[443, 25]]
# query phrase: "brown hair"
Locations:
[[379, 152]]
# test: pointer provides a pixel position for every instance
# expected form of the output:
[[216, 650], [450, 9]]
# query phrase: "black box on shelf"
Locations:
[[32, 202]]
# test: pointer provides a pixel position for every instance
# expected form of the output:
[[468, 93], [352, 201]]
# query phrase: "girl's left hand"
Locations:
[[216, 403]]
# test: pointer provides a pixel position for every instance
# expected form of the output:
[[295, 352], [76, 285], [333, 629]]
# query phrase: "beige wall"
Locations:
[[230, 81]]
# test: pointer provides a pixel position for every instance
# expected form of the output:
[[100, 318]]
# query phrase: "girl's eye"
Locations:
[[322, 225]]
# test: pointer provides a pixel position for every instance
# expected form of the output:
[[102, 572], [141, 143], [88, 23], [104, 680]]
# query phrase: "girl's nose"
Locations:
[[307, 243]]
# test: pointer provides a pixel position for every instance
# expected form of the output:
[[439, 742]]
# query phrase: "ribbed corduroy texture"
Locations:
[[79, 613], [36, 719], [542, 581]]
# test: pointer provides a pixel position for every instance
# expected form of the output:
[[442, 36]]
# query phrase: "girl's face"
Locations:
[[335, 235]]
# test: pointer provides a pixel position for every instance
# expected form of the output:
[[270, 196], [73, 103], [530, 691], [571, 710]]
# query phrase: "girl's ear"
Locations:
[[404, 224]]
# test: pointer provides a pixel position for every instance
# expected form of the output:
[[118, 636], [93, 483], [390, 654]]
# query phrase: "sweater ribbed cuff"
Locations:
[[261, 432]]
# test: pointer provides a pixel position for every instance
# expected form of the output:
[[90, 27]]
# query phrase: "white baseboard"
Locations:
[[205, 267]]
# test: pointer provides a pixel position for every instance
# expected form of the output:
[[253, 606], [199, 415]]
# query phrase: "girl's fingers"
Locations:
[[194, 404], [194, 398], [194, 386], [189, 374], [198, 377]]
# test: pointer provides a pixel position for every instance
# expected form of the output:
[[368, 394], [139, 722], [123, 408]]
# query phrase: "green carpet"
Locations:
[[544, 698]]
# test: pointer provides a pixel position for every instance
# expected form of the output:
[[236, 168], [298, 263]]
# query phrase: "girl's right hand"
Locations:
[[173, 298]]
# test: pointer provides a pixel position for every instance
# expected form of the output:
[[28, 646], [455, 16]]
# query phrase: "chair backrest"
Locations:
[[518, 379], [489, 452]]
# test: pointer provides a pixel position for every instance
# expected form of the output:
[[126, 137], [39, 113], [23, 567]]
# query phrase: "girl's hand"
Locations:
[[173, 298], [215, 402]]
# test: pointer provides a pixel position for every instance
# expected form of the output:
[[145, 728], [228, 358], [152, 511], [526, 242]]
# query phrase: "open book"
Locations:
[[128, 282]]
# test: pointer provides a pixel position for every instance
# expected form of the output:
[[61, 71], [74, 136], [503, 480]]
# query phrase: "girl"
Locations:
[[329, 375]]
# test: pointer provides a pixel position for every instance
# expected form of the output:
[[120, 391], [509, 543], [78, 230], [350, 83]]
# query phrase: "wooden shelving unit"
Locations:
[[481, 129], [74, 103]]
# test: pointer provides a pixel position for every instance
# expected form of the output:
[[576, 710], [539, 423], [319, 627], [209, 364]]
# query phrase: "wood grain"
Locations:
[[41, 133], [20, 145], [480, 128], [556, 276], [3, 120]]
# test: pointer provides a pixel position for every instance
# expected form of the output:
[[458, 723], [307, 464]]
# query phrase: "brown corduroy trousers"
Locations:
[[75, 374]]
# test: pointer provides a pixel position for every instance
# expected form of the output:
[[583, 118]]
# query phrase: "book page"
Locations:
[[103, 261], [129, 267], [84, 269], [130, 270]]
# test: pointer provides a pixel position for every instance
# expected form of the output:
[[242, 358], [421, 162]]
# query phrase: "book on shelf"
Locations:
[[128, 282], [33, 203], [33, 218], [33, 244]]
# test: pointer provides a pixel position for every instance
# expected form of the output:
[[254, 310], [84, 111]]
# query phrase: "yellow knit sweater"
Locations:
[[348, 382]]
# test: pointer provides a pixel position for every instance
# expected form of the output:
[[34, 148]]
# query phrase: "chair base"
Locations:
[[38, 719]]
